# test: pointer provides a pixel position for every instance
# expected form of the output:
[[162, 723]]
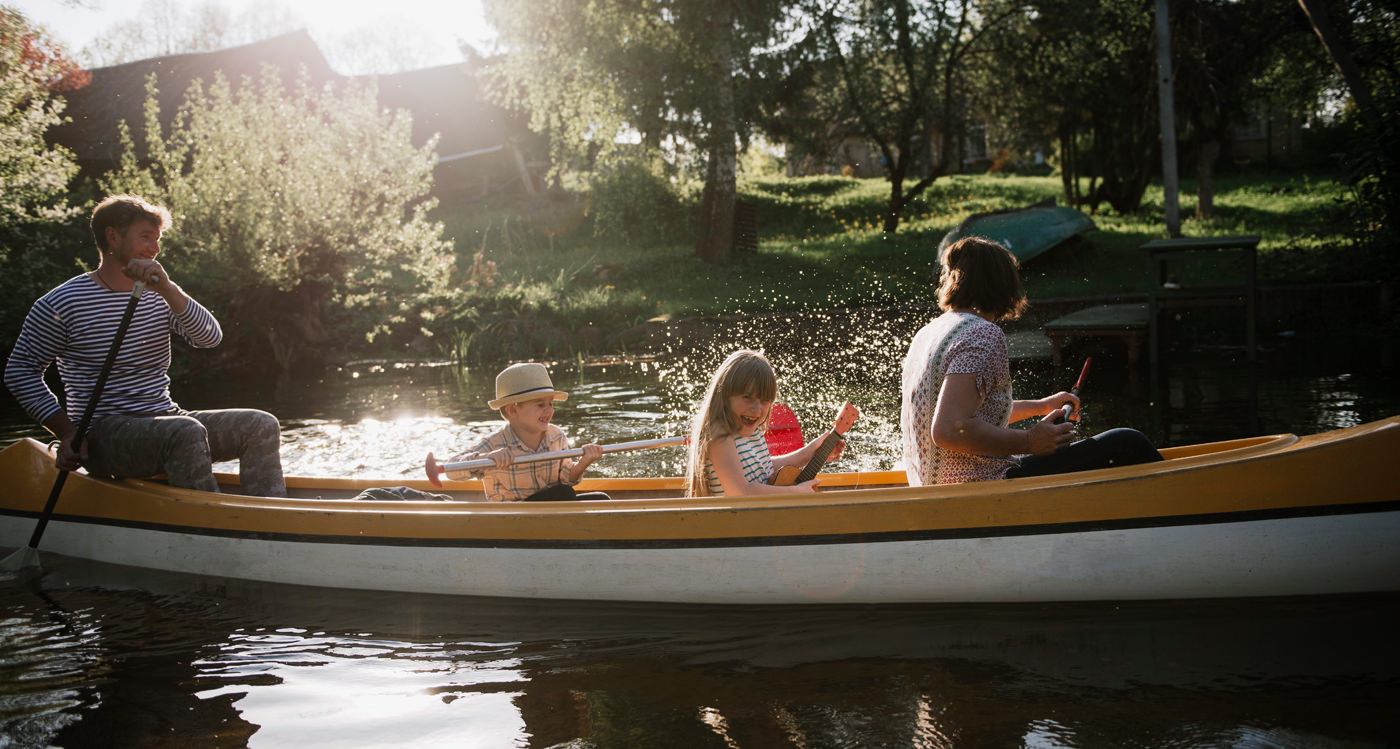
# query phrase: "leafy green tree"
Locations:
[[41, 236], [1360, 37], [1229, 55], [301, 215], [1081, 75], [669, 72], [900, 72]]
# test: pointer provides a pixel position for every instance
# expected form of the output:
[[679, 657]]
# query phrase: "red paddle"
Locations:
[[784, 433], [1067, 409]]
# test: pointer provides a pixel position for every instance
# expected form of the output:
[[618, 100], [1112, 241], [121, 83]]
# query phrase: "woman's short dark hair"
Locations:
[[980, 274], [121, 211]]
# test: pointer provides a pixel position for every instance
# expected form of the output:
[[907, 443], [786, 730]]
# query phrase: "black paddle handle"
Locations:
[[88, 412], [1067, 408]]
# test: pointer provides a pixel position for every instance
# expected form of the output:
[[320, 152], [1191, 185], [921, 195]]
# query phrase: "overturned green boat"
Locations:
[[1027, 232]]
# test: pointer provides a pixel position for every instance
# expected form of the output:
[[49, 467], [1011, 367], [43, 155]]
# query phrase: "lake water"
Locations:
[[102, 655]]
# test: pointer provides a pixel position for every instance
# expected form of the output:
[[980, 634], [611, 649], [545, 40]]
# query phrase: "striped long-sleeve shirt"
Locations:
[[74, 325]]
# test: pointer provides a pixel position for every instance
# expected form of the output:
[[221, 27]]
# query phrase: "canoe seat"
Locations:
[[1125, 321]]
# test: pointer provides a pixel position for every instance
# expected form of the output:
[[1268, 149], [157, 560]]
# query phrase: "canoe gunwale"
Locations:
[[878, 490], [1103, 496]]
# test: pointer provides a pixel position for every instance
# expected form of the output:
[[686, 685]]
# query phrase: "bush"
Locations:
[[41, 236], [300, 215], [635, 204]]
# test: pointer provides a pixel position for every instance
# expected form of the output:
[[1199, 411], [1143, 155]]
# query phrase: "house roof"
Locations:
[[448, 100], [118, 92], [443, 99]]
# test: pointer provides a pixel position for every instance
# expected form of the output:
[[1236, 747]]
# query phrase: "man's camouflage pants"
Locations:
[[185, 444]]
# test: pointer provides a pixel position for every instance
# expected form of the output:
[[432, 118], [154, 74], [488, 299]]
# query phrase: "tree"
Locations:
[[1361, 37], [40, 234], [301, 215], [32, 70], [1222, 52], [900, 73], [1081, 75], [167, 27], [669, 71]]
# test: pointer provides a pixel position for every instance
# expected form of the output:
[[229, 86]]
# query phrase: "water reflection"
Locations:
[[96, 654]]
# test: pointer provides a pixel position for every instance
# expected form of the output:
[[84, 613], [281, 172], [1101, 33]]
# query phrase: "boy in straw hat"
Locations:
[[525, 397]]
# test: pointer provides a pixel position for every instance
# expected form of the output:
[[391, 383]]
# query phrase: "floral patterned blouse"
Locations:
[[954, 343]]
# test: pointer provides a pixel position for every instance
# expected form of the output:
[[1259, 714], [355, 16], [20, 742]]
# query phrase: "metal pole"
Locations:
[[1167, 109]]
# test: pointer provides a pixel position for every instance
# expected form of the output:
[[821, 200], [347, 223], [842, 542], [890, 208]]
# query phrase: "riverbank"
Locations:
[[535, 292], [1360, 309]]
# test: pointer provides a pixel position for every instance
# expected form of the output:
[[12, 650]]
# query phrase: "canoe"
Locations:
[[1273, 515], [1027, 232]]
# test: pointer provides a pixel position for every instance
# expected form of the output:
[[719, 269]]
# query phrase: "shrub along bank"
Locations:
[[545, 277]]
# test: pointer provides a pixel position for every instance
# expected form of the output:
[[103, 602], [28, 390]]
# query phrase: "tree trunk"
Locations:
[[1068, 176], [1206, 155], [1341, 58], [715, 242], [897, 200]]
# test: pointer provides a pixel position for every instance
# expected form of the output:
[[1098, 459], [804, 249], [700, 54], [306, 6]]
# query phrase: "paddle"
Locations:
[[784, 433], [434, 468], [1068, 408], [29, 555]]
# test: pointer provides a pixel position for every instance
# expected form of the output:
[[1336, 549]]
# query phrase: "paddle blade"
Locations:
[[432, 468], [22, 559], [784, 433]]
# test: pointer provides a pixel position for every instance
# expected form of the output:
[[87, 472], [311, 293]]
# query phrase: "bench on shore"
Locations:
[[1125, 321]]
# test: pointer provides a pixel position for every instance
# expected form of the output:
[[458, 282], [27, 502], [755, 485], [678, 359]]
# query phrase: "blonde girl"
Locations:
[[728, 450]]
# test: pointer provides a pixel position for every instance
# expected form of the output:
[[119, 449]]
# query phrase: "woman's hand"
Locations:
[[1046, 436], [1053, 403]]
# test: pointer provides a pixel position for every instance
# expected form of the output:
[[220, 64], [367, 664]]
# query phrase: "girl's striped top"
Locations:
[[754, 459], [75, 323]]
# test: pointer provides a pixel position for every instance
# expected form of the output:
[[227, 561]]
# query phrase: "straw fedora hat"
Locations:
[[523, 382]]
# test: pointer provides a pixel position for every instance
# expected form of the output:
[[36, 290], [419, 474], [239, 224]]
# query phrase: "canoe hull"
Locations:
[[1288, 556], [1271, 516]]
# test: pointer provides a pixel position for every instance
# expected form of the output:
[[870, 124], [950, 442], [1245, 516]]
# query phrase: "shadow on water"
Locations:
[[98, 654]]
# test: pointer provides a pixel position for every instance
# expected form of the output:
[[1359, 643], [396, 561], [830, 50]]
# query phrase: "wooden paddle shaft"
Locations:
[[470, 465], [77, 444]]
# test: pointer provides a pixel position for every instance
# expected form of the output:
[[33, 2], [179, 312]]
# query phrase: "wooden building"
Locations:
[[482, 147]]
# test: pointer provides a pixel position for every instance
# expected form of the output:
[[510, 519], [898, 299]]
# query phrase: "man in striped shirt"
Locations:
[[137, 429]]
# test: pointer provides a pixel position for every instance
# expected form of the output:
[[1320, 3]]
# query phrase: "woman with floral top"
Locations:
[[957, 403]]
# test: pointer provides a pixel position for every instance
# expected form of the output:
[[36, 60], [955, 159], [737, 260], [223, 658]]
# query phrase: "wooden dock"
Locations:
[[1127, 322]]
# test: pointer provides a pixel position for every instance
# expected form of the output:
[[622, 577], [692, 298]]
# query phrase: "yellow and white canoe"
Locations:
[[1265, 516]]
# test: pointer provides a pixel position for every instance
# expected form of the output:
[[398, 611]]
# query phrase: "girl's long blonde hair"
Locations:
[[743, 373]]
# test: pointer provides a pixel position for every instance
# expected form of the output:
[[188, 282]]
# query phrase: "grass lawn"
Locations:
[[820, 247]]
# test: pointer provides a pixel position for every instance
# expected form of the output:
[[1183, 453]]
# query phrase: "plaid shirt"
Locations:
[[518, 480]]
